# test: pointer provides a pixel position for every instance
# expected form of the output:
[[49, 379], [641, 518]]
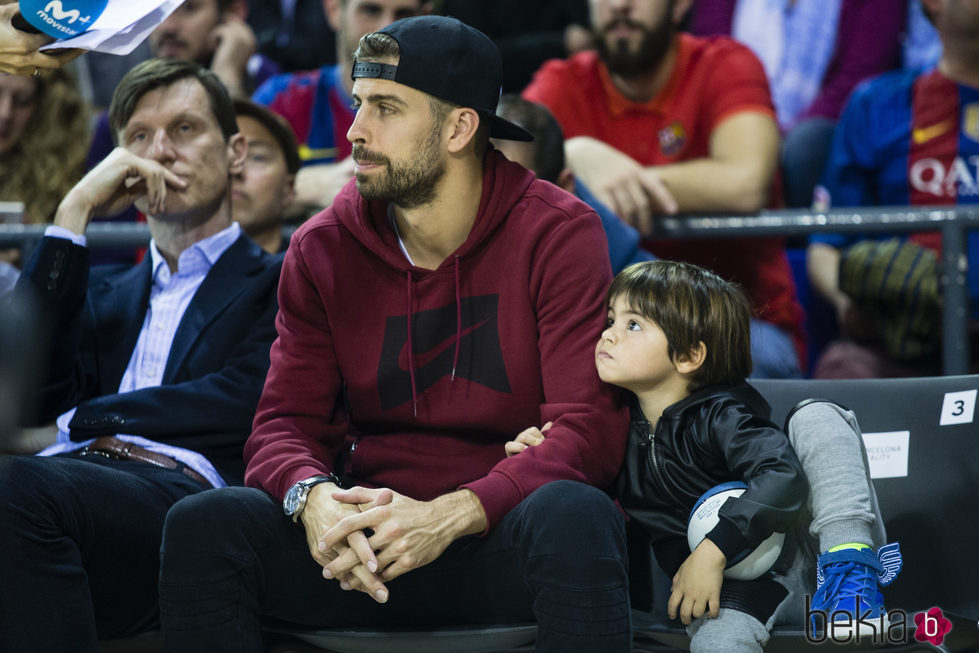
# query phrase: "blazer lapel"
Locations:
[[223, 284]]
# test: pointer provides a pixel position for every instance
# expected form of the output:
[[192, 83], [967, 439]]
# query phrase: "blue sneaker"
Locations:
[[847, 594]]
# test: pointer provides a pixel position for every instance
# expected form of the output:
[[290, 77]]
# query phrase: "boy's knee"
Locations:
[[822, 410], [820, 420]]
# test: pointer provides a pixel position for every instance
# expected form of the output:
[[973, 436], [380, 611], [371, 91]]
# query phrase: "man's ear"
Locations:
[[290, 194], [691, 361], [238, 150], [565, 180], [463, 122]]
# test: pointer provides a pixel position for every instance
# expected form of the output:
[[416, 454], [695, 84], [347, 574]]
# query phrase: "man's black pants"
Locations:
[[79, 548], [231, 558]]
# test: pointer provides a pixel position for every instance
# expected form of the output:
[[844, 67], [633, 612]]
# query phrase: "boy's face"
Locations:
[[632, 352]]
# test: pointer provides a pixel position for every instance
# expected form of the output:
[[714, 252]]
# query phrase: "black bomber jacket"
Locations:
[[717, 434]]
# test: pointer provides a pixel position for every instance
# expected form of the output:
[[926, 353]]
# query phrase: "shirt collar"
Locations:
[[201, 255], [620, 105]]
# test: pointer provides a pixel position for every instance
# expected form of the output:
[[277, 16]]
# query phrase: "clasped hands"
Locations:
[[363, 537]]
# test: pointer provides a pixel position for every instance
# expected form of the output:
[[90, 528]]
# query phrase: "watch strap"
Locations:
[[305, 485], [308, 483]]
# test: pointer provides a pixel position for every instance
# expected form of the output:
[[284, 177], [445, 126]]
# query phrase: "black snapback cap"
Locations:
[[446, 58]]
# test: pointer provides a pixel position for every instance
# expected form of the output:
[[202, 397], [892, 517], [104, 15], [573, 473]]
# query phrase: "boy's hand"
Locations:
[[697, 586], [529, 438]]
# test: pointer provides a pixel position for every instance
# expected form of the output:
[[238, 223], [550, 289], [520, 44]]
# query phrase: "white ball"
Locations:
[[704, 517]]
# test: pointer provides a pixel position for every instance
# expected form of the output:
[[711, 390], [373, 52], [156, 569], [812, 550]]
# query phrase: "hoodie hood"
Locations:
[[504, 183]]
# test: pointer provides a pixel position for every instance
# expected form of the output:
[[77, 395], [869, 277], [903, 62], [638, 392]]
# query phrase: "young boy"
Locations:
[[678, 338]]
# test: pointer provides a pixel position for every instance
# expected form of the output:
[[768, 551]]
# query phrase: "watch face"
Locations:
[[293, 499]]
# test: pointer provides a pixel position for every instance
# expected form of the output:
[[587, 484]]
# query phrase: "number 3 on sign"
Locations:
[[958, 407]]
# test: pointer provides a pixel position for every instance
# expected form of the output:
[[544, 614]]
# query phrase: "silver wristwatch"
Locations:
[[295, 499]]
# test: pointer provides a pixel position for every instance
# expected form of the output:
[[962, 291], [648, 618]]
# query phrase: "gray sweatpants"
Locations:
[[828, 442]]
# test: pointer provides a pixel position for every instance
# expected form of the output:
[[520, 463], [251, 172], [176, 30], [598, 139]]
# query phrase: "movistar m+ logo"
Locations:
[[54, 13]]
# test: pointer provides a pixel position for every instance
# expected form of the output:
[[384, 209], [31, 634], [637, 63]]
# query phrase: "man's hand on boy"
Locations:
[[528, 438], [697, 585]]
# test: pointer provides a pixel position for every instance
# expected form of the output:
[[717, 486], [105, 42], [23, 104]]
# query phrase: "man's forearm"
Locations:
[[317, 185], [73, 213], [823, 270], [736, 175], [702, 185]]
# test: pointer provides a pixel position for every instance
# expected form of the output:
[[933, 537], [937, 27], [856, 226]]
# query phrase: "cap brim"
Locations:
[[500, 128]]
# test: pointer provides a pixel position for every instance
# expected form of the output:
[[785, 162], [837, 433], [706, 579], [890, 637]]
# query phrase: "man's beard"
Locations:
[[406, 186], [653, 46]]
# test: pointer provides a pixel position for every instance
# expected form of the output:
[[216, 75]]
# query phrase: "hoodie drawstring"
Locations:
[[455, 357], [411, 344], [411, 352]]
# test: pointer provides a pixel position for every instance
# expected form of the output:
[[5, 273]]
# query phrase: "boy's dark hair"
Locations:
[[158, 73], [378, 47], [692, 305], [279, 128], [548, 141]]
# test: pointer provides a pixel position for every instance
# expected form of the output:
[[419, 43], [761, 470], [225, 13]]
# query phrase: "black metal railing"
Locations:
[[953, 222]]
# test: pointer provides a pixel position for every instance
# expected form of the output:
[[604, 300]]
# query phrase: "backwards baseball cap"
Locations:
[[446, 58]]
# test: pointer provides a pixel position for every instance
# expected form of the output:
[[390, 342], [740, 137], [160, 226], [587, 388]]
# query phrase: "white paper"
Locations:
[[122, 26], [958, 408], [887, 453]]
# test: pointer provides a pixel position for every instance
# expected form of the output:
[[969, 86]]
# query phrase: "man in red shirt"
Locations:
[[660, 122]]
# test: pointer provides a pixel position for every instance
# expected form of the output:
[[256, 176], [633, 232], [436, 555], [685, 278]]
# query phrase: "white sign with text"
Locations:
[[887, 453]]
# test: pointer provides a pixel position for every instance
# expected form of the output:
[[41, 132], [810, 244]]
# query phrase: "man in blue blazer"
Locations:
[[154, 371]]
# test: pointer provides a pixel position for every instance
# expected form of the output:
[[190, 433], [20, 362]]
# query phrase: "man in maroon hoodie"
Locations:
[[446, 301]]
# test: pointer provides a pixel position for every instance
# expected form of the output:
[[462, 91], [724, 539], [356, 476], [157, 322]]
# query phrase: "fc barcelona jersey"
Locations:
[[907, 139], [318, 109]]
